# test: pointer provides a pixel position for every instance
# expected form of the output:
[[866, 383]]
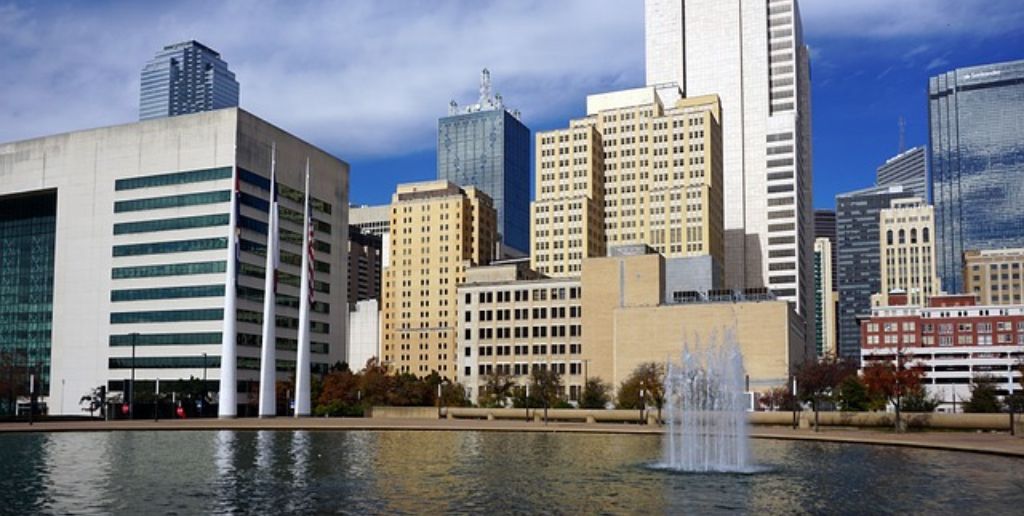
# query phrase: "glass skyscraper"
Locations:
[[485, 145], [186, 77], [857, 232], [977, 158]]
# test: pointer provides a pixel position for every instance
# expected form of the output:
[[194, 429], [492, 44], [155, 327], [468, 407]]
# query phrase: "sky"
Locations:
[[367, 80]]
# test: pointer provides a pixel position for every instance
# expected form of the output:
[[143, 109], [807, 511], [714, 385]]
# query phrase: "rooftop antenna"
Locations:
[[453, 108], [485, 87], [903, 134]]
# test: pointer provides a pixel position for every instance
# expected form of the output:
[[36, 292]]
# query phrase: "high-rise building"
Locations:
[[438, 229], [111, 239], [825, 227], [824, 299], [487, 146], [994, 275], [977, 160], [373, 220], [183, 78], [751, 55], [363, 334], [908, 168], [857, 228], [906, 237], [364, 266], [635, 170]]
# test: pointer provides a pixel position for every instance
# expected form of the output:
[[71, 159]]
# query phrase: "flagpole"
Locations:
[[268, 355], [302, 370], [227, 402]]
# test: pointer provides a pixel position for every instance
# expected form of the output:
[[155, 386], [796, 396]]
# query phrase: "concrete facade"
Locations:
[[908, 168], [364, 334], [825, 299], [142, 239]]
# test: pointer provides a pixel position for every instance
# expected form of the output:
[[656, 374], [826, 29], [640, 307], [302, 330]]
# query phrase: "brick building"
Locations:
[[953, 338]]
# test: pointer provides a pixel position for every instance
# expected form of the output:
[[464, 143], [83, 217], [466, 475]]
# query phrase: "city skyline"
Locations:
[[856, 89]]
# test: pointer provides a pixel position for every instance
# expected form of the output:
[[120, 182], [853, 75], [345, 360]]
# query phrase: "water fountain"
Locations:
[[706, 420]]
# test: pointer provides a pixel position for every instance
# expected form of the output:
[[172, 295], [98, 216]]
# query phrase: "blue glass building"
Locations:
[[183, 78], [977, 161], [487, 146]]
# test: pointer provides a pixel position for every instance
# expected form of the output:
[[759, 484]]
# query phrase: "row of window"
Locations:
[[160, 316], [173, 201], [142, 294], [166, 339], [175, 178], [148, 226], [177, 246], [171, 269]]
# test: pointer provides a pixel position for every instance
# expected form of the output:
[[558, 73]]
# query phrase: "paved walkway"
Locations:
[[979, 442]]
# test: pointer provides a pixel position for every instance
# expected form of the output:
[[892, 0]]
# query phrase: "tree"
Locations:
[[498, 388], [779, 398], [648, 377], [96, 399], [853, 395], [596, 393], [818, 381], [546, 387], [918, 400], [983, 396], [892, 381]]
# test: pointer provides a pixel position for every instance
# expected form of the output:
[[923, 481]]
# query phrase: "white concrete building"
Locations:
[[751, 54], [364, 334], [143, 245]]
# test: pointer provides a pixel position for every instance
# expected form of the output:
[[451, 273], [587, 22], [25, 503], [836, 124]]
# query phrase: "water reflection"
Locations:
[[475, 472]]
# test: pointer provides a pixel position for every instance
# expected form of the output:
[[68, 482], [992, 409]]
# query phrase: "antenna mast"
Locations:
[[903, 134]]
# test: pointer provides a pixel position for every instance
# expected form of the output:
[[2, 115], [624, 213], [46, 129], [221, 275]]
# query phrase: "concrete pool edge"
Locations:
[[973, 442]]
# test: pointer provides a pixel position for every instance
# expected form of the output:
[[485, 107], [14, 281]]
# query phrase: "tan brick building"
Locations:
[[635, 170], [995, 276], [907, 251], [437, 230]]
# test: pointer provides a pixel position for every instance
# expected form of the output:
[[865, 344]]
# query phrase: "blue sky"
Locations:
[[367, 80]]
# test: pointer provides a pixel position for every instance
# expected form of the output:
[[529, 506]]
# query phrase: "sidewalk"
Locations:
[[978, 442]]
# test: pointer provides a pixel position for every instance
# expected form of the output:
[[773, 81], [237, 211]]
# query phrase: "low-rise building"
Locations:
[[610, 320], [953, 339]]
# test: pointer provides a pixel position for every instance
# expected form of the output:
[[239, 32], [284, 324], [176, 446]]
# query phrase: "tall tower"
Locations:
[[437, 230], [186, 77], [907, 241], [487, 146], [751, 54], [977, 160]]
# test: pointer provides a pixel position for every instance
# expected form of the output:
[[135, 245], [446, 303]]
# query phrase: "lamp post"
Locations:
[[156, 402], [642, 402], [131, 398], [31, 396], [202, 401], [1009, 398], [526, 403]]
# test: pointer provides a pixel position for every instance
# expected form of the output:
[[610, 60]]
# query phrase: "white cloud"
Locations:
[[361, 78], [910, 18]]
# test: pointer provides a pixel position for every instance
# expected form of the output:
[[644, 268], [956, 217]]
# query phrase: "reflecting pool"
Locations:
[[397, 472]]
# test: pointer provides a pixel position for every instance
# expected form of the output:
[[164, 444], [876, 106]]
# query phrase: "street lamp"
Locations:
[[202, 401], [131, 398], [642, 402]]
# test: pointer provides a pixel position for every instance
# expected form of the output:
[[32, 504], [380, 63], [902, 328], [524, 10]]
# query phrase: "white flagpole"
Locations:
[[302, 372], [268, 356], [227, 402]]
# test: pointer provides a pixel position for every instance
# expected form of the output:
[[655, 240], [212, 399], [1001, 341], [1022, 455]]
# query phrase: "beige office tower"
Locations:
[[994, 276], [751, 54], [643, 167], [906, 236], [437, 230], [825, 297]]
